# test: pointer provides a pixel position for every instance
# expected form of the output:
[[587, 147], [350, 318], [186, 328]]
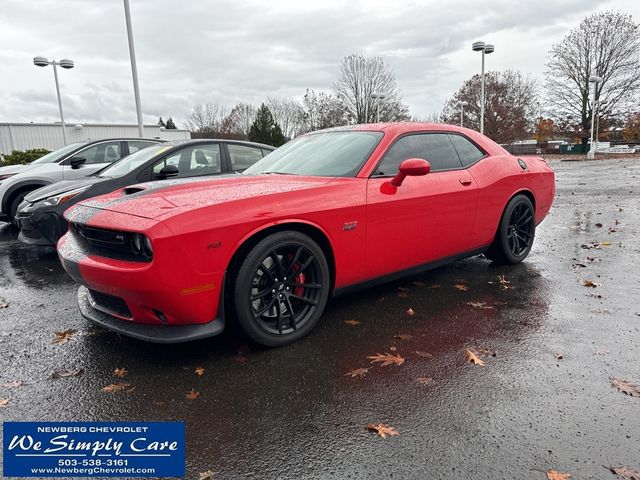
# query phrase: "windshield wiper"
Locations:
[[277, 173]]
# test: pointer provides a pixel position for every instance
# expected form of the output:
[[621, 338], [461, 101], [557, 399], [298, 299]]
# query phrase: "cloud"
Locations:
[[233, 51]]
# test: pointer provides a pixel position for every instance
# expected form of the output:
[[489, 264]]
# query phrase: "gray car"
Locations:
[[70, 162]]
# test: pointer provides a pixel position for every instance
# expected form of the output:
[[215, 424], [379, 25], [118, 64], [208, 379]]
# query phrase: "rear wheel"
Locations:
[[281, 288], [515, 234]]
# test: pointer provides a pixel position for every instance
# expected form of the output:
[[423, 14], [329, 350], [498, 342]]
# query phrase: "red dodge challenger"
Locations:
[[171, 261]]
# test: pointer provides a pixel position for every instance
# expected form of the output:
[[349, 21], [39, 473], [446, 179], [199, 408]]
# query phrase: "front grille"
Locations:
[[32, 234], [109, 243], [110, 304]]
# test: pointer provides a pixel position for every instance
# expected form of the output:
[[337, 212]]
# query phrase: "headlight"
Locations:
[[61, 198], [4, 177]]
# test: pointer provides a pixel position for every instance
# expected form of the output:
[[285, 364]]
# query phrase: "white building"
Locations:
[[26, 136]]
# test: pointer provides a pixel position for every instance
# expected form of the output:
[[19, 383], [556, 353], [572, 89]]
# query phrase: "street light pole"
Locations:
[[378, 97], [595, 80], [66, 64], [134, 68], [485, 49], [599, 104], [461, 104]]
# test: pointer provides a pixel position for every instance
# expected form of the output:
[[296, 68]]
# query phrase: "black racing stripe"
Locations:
[[149, 188]]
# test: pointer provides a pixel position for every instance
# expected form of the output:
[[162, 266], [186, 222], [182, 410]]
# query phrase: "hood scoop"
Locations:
[[132, 190]]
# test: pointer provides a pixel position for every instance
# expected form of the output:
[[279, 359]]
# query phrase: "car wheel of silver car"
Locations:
[[281, 288]]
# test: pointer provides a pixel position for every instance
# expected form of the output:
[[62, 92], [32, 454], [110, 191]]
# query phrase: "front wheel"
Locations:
[[514, 237], [281, 288]]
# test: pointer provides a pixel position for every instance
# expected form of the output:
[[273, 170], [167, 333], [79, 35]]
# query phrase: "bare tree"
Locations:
[[510, 105], [321, 110], [358, 79], [207, 118], [607, 45], [288, 114], [239, 120]]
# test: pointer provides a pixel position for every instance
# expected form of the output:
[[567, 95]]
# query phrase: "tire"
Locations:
[[15, 203], [281, 288], [515, 233]]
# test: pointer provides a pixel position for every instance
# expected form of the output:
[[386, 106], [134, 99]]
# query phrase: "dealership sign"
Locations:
[[93, 449]]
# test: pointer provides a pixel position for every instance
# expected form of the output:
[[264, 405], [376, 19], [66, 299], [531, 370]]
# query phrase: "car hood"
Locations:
[[61, 187], [170, 197]]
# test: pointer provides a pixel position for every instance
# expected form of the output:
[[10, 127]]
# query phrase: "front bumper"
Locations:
[[40, 227], [149, 333]]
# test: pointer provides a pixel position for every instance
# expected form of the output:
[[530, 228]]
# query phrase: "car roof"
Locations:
[[197, 141]]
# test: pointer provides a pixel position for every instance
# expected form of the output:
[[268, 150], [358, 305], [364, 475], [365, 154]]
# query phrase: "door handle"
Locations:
[[465, 181]]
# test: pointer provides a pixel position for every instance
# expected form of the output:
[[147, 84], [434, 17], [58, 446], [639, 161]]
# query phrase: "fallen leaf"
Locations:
[[624, 472], [437, 285], [3, 303], [598, 225], [590, 284], [593, 259], [403, 336], [116, 387], [419, 284], [120, 372], [357, 373], [14, 384], [579, 265], [461, 286], [410, 312], [199, 371], [626, 387], [473, 358], [63, 336], [606, 244], [559, 356], [386, 359], [425, 380], [504, 283], [67, 373], [423, 354], [4, 402], [208, 475], [383, 430], [479, 305], [352, 323], [192, 394], [612, 230], [554, 475]]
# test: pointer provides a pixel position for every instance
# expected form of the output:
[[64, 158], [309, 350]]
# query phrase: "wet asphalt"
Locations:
[[292, 413]]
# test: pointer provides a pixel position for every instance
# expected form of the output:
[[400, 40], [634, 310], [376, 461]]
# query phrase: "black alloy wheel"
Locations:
[[281, 288], [515, 233]]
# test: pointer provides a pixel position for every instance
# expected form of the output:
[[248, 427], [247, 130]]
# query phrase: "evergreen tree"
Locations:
[[265, 130], [170, 125], [161, 123]]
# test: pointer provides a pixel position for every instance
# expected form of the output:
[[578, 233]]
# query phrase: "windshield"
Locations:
[[330, 154], [56, 155], [131, 162]]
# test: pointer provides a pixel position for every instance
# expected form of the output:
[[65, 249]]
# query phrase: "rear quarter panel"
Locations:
[[500, 178]]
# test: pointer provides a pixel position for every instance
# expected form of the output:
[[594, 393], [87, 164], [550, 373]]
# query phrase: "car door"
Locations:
[[427, 218], [96, 156], [192, 161]]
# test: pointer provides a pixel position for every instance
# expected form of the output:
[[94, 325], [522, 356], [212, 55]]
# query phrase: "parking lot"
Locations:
[[553, 333]]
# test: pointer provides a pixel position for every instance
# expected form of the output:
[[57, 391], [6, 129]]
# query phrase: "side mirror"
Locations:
[[412, 167], [75, 162], [168, 171]]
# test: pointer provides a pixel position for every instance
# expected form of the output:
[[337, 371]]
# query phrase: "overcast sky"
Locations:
[[192, 52]]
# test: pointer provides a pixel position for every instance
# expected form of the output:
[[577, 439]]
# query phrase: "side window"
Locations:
[[467, 151], [135, 145], [242, 156], [436, 148], [101, 153], [193, 161]]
